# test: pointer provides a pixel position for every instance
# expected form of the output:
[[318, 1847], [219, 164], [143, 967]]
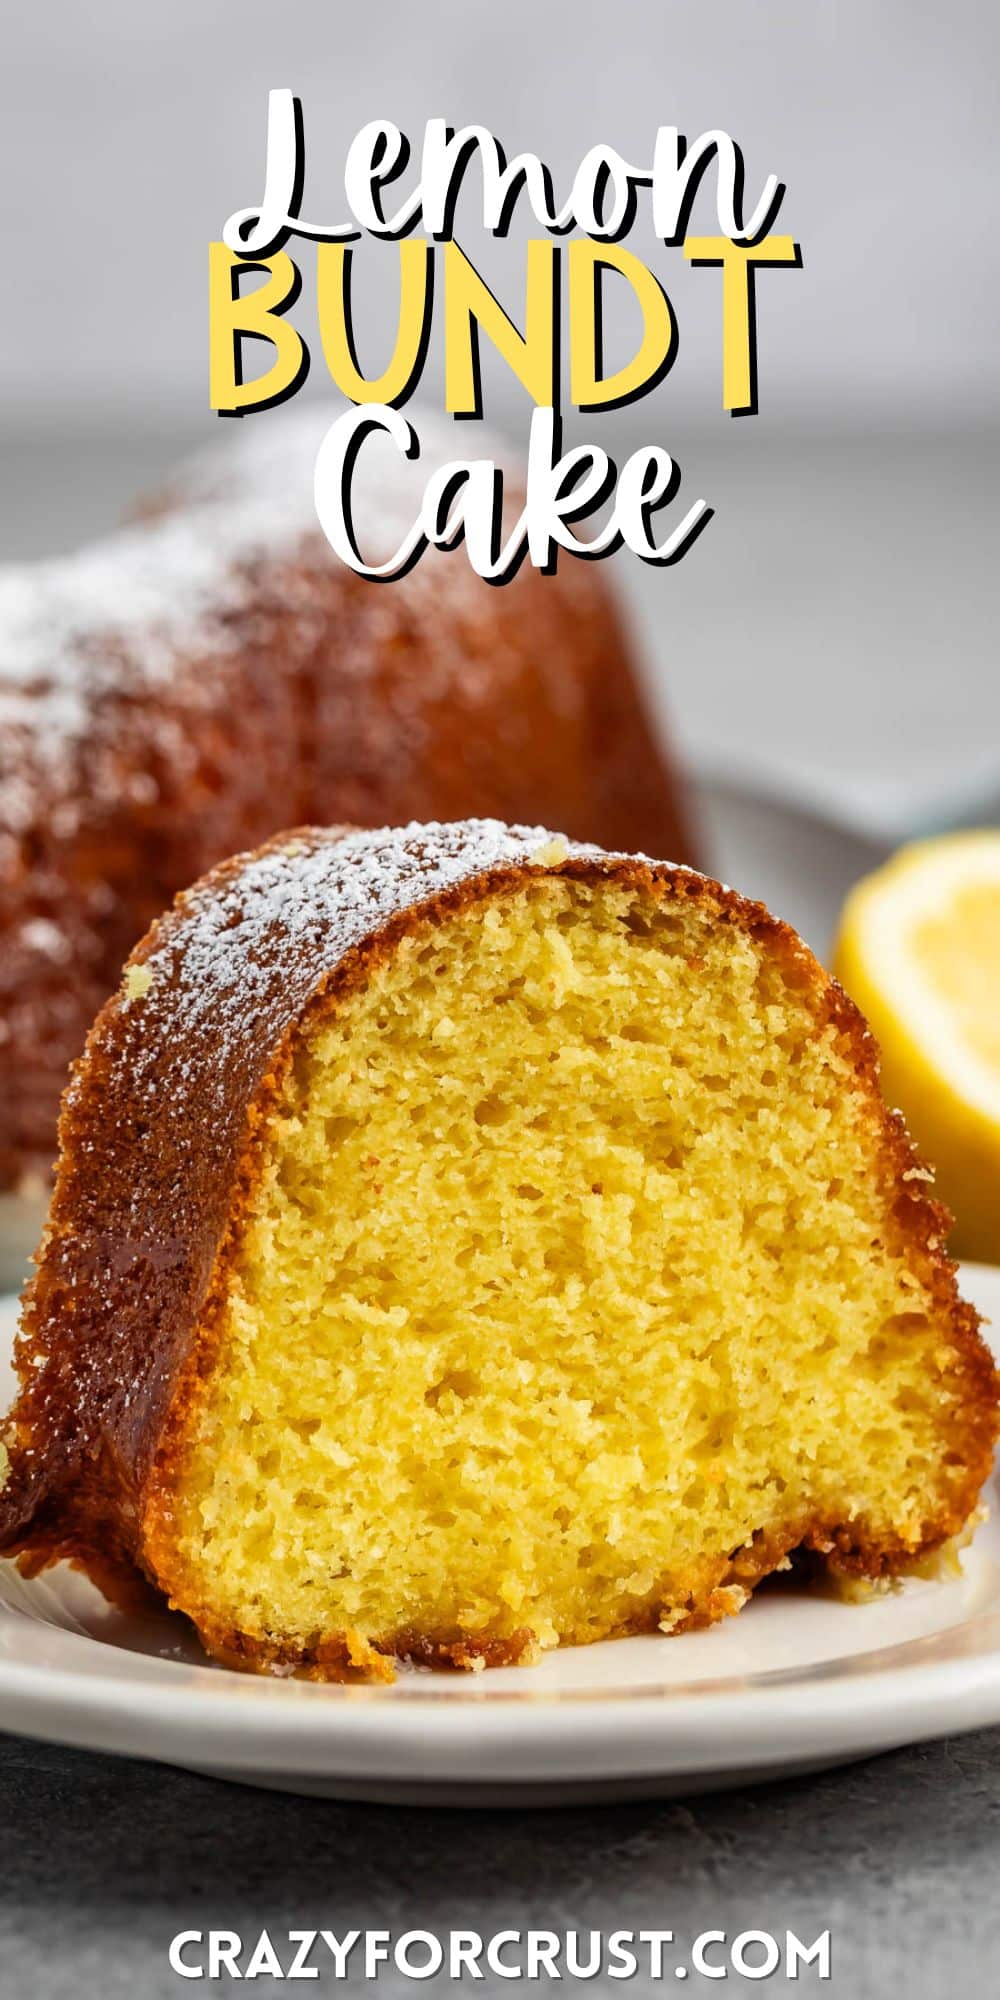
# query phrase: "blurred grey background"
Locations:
[[831, 635]]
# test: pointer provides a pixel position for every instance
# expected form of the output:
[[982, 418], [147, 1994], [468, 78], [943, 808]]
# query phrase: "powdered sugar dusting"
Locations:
[[269, 926], [119, 615], [275, 457]]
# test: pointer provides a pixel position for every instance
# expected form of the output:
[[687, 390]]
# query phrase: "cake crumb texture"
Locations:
[[538, 1321], [571, 1321]]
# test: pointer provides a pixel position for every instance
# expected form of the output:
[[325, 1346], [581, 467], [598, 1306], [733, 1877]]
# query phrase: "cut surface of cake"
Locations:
[[189, 686], [466, 1242]]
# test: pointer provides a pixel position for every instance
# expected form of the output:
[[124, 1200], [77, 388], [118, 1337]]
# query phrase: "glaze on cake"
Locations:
[[466, 1242]]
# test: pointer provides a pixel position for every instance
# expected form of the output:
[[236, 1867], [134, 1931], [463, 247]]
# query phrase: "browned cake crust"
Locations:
[[161, 1140], [191, 686]]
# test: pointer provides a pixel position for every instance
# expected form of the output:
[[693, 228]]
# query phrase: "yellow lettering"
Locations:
[[590, 389], [333, 298], [231, 318], [470, 305], [739, 388]]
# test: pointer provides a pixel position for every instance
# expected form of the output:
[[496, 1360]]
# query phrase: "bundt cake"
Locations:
[[466, 1242], [213, 673]]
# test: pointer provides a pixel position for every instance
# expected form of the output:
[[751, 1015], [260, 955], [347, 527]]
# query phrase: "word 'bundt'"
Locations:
[[466, 1243], [193, 684]]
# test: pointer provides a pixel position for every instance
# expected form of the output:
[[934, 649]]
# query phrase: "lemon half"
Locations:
[[919, 950]]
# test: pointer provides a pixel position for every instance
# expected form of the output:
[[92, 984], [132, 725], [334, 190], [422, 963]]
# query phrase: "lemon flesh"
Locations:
[[919, 951]]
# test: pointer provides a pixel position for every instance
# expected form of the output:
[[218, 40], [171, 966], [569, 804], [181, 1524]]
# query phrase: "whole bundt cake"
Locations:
[[213, 673], [466, 1242]]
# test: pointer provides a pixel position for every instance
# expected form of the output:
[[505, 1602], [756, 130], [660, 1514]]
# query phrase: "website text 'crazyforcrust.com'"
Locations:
[[507, 1954]]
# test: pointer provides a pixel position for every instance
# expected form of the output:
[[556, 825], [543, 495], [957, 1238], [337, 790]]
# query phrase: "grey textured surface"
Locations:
[[102, 1862]]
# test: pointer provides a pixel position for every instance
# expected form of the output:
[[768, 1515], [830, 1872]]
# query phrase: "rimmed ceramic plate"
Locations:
[[799, 1680]]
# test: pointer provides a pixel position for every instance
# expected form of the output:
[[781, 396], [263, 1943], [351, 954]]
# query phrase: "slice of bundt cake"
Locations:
[[465, 1243]]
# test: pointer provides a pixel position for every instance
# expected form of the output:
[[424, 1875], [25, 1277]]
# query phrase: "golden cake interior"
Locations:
[[572, 1271]]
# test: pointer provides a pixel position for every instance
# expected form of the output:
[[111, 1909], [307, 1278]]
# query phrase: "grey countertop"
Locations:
[[101, 1862]]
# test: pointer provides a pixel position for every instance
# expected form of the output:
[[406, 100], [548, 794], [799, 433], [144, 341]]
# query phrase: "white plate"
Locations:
[[797, 1681]]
